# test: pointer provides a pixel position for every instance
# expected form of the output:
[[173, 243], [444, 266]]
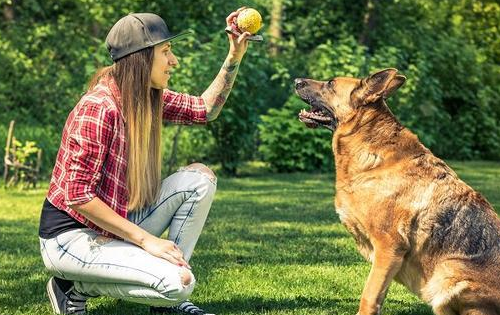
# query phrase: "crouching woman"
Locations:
[[107, 207]]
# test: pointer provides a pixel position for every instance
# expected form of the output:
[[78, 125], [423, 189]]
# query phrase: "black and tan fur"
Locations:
[[410, 214]]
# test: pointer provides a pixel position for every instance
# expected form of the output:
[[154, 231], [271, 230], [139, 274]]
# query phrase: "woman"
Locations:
[[107, 207]]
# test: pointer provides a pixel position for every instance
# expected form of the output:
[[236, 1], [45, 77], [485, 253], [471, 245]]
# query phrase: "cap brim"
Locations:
[[168, 39], [175, 37]]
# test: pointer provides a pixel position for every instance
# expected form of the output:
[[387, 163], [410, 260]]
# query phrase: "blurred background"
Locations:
[[448, 49]]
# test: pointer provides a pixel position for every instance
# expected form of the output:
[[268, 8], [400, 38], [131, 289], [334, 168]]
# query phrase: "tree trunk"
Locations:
[[8, 11], [96, 30], [7, 160], [369, 24], [275, 27]]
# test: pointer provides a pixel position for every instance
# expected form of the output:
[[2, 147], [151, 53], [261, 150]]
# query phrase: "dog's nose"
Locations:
[[300, 83]]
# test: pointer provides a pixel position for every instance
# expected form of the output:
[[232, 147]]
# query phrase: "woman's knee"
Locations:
[[186, 277], [195, 177], [185, 288], [203, 169]]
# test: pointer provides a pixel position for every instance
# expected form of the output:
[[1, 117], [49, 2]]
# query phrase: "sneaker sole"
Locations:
[[52, 297]]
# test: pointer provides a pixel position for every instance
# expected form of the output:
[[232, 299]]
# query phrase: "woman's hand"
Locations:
[[106, 218], [165, 249], [237, 44]]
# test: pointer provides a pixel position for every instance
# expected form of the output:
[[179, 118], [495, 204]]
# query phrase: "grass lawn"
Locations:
[[272, 245]]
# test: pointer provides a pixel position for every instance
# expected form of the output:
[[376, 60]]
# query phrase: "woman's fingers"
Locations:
[[171, 259], [179, 257], [175, 259], [243, 37], [169, 251], [184, 263], [180, 261], [233, 15]]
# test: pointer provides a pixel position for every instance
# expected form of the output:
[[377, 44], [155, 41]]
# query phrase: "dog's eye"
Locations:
[[330, 83]]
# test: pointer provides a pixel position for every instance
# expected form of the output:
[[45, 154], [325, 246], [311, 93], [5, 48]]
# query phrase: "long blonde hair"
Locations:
[[142, 109]]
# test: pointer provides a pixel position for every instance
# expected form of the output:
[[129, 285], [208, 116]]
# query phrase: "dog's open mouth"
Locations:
[[318, 116]]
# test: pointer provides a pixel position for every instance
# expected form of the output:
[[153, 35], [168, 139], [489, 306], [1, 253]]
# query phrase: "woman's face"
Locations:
[[163, 60]]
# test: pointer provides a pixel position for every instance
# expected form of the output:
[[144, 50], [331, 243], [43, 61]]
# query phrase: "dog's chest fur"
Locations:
[[354, 224], [358, 212]]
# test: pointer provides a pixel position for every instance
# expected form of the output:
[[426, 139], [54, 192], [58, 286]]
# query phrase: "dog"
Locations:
[[410, 214]]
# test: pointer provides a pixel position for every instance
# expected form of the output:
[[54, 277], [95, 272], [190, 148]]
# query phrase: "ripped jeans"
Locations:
[[101, 266]]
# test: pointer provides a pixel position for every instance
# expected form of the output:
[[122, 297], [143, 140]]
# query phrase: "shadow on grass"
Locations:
[[286, 219], [258, 305], [306, 305], [289, 247], [24, 276], [279, 182]]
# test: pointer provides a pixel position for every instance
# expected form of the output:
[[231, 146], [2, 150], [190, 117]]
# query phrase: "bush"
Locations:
[[194, 145], [447, 49], [288, 145], [47, 139]]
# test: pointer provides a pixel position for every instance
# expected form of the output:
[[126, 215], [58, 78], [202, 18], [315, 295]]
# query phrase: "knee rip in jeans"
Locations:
[[201, 169], [186, 277], [182, 292]]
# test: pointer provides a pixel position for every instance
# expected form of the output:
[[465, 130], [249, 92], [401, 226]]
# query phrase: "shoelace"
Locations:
[[76, 302], [190, 308]]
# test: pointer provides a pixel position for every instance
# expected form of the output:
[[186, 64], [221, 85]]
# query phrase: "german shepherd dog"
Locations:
[[410, 214]]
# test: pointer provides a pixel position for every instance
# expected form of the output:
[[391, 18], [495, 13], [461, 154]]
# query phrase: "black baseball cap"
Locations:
[[137, 31]]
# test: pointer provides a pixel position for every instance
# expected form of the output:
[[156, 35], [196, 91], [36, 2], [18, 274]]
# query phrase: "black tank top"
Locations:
[[54, 221]]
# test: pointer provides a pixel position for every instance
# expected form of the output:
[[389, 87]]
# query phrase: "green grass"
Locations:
[[272, 245]]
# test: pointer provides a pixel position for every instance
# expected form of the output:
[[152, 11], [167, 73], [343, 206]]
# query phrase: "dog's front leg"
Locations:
[[387, 261]]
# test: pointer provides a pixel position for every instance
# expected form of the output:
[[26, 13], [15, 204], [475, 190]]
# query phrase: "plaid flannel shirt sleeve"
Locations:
[[88, 138], [183, 109]]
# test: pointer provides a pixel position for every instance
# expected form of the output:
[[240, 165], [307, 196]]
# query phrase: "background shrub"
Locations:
[[448, 50]]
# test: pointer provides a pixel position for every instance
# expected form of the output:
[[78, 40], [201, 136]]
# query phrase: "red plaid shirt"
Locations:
[[92, 158]]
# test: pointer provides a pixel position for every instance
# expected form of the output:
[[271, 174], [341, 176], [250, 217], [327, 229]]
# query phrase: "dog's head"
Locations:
[[339, 99]]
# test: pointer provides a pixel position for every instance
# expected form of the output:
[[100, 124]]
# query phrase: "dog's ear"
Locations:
[[381, 85], [395, 84]]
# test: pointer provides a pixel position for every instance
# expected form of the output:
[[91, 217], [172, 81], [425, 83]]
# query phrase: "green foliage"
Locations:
[[286, 142], [309, 23], [235, 131], [194, 144], [45, 138], [288, 145], [451, 96], [24, 153], [344, 57], [449, 51]]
